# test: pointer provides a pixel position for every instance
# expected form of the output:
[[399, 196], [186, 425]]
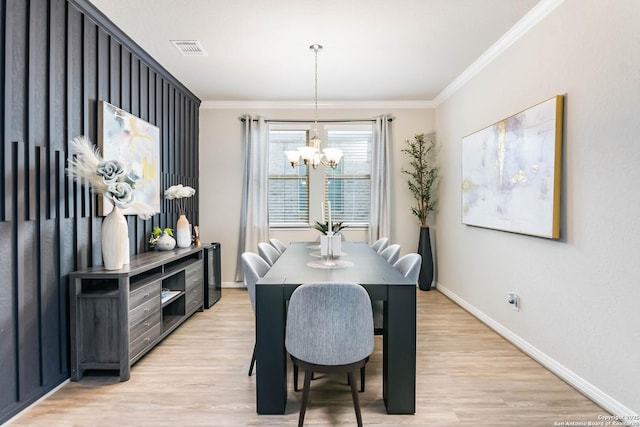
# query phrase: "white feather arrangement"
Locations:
[[106, 177]]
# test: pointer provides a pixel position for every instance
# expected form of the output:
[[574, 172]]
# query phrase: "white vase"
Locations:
[[115, 240], [183, 232], [165, 242]]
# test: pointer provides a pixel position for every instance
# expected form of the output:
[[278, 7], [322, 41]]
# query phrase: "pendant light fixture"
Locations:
[[310, 154]]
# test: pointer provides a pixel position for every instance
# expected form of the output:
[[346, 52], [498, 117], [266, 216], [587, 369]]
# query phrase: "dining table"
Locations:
[[302, 263]]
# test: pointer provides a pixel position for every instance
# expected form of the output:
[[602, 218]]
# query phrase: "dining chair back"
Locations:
[[409, 266], [254, 267], [391, 253], [278, 244], [380, 244], [268, 253], [329, 329]]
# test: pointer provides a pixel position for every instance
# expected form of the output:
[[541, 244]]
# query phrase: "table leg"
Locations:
[[399, 351], [271, 361]]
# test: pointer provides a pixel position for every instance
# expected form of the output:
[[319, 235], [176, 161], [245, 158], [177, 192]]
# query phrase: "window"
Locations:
[[295, 194], [348, 186], [288, 189]]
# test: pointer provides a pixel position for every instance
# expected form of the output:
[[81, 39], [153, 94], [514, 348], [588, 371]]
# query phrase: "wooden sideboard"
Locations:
[[117, 316]]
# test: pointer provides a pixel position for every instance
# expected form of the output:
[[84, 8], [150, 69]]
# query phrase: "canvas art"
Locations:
[[511, 172], [135, 143]]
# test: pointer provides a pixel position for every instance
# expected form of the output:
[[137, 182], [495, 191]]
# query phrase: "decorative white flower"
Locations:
[[106, 177], [177, 193]]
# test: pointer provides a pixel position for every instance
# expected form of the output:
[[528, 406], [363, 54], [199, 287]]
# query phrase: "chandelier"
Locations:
[[310, 154]]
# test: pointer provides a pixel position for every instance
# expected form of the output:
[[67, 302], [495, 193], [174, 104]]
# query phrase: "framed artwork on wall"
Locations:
[[136, 144], [511, 172]]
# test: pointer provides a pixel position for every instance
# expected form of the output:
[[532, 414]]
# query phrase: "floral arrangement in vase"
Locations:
[[183, 228], [323, 227], [108, 178], [162, 239]]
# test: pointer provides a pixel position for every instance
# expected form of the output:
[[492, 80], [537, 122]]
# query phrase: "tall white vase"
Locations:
[[115, 240], [183, 232]]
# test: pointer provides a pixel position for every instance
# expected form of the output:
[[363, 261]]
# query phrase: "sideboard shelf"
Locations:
[[117, 316]]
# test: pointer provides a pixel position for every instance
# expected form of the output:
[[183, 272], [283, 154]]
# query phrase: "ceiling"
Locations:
[[374, 50]]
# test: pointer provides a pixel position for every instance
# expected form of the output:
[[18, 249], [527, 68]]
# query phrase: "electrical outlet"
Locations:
[[514, 300]]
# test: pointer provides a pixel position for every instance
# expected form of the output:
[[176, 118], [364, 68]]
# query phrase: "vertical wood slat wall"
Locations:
[[59, 58]]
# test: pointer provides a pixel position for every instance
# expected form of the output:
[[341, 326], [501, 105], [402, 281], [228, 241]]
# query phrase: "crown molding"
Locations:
[[530, 20], [324, 105]]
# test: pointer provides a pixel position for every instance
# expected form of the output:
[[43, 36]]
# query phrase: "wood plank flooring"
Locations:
[[467, 375]]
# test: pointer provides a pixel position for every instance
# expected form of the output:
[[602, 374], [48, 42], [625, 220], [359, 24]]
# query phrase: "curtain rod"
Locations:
[[319, 121]]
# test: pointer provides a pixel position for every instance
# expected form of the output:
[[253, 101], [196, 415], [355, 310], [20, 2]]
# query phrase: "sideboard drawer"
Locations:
[[145, 324], [194, 276], [143, 311], [144, 340], [145, 293]]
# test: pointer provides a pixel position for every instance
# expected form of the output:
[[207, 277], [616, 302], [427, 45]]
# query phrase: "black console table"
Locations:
[[117, 316]]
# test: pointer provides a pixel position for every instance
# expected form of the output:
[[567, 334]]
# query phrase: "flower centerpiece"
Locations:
[[323, 227], [108, 178], [183, 228]]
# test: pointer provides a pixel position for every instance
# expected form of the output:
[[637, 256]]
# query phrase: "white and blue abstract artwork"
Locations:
[[511, 172]]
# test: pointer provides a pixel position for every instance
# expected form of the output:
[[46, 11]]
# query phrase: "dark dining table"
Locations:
[[360, 264]]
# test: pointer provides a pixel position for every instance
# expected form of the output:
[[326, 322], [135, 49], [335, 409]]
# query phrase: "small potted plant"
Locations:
[[422, 180], [162, 239]]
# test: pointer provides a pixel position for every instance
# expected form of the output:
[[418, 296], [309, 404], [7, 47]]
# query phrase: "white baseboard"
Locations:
[[605, 401]]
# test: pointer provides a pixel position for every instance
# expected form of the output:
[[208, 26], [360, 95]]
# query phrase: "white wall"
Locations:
[[221, 176], [579, 309]]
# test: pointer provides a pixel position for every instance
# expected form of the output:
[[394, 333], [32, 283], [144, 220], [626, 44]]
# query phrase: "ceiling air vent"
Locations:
[[189, 47]]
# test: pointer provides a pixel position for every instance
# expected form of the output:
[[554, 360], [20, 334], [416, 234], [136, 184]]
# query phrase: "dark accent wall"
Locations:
[[59, 58]]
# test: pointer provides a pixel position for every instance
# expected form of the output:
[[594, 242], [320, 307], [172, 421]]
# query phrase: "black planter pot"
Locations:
[[426, 270]]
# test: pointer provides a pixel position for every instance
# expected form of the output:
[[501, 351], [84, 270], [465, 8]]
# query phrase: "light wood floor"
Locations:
[[467, 375]]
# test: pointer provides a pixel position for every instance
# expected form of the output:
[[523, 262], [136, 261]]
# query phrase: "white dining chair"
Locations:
[[391, 253], [268, 253], [409, 266], [380, 244], [278, 244], [254, 267]]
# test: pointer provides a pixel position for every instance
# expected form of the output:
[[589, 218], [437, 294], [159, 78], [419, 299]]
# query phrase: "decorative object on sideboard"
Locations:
[[108, 178], [423, 175], [196, 236], [162, 239], [183, 228]]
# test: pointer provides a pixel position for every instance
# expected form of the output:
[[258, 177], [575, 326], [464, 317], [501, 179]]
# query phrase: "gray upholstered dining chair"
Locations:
[[409, 266], [278, 244], [254, 267], [329, 329], [268, 253], [391, 253], [380, 244]]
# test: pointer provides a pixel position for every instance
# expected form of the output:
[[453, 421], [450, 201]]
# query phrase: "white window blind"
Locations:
[[348, 187], [288, 187]]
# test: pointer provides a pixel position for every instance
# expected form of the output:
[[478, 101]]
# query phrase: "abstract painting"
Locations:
[[136, 144], [511, 172]]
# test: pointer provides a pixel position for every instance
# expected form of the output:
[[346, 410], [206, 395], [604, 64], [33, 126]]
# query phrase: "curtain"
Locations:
[[379, 221], [254, 225]]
